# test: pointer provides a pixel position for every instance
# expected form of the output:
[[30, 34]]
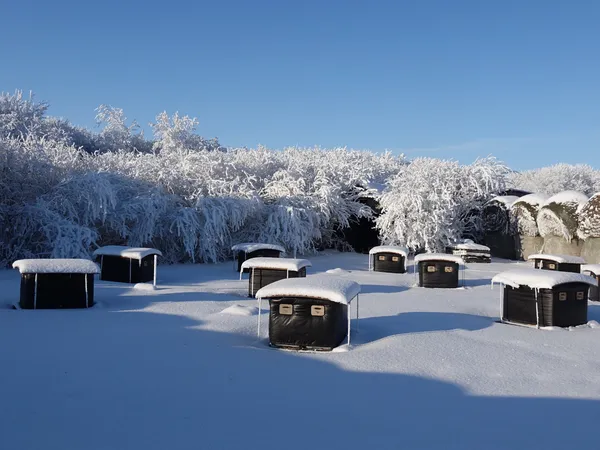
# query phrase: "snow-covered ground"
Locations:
[[180, 367]]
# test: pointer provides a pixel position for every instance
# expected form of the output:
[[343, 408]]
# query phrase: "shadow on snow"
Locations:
[[141, 380]]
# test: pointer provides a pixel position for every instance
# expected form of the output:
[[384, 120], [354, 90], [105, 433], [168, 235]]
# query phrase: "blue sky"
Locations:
[[451, 79]]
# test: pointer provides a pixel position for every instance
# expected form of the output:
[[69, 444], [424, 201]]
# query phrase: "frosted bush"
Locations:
[[65, 190], [557, 178], [430, 202]]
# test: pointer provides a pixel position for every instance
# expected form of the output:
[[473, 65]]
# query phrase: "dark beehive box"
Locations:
[[307, 323], [564, 305], [438, 274]]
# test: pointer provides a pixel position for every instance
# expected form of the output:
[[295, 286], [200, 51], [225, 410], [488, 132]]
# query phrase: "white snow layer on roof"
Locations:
[[324, 286], [438, 257], [56, 266], [249, 247], [471, 246], [594, 268], [567, 197], [507, 200], [276, 263], [540, 279], [126, 252], [532, 199], [568, 259], [389, 249]]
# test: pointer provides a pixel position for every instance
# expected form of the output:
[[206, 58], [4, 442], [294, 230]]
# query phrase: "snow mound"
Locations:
[[240, 310], [341, 349], [337, 271], [144, 287], [593, 324]]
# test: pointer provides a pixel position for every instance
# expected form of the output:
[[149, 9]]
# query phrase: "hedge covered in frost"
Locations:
[[65, 190]]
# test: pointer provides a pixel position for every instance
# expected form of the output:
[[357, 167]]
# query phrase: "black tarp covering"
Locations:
[[302, 329], [519, 305], [261, 253], [499, 231], [438, 274], [546, 264], [261, 277], [56, 290], [117, 268], [384, 262]]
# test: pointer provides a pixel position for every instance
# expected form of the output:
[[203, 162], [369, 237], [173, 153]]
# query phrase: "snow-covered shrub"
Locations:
[[524, 212], [430, 202], [116, 134], [558, 215], [179, 133], [20, 116], [557, 178], [316, 192], [589, 218]]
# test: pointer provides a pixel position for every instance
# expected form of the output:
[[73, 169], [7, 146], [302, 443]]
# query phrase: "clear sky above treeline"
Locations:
[[450, 79]]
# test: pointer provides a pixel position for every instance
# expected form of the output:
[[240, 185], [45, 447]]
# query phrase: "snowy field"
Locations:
[[181, 367]]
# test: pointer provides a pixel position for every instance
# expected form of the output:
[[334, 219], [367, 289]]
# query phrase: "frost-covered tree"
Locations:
[[20, 116], [429, 203], [557, 178], [116, 134], [558, 215], [179, 133]]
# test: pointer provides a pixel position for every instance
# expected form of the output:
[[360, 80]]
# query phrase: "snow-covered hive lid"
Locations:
[[531, 199], [594, 268], [560, 259], [397, 249], [540, 279], [471, 246], [567, 197], [57, 265], [126, 252], [250, 247], [326, 287], [276, 263], [438, 257], [506, 200]]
